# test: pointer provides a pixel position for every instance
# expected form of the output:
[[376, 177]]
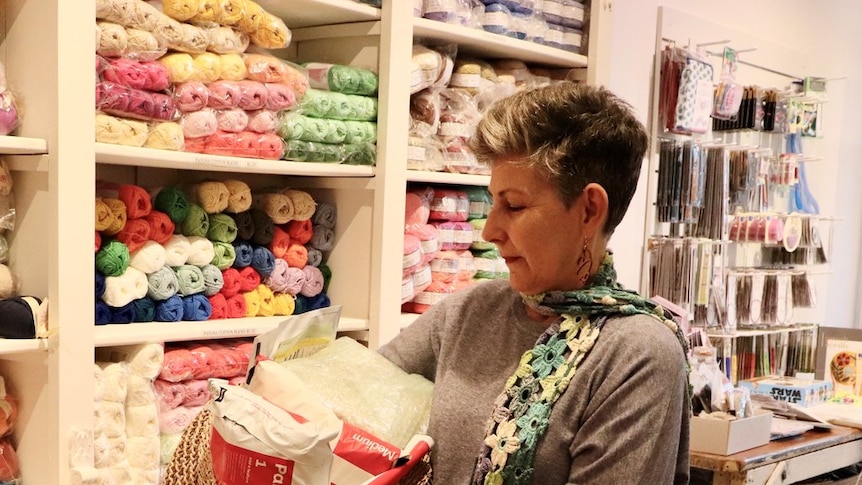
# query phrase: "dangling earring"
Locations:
[[585, 264]]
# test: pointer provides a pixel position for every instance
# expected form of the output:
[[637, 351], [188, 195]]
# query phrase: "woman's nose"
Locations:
[[492, 231]]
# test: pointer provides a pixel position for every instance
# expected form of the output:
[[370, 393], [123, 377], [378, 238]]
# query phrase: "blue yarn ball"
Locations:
[[244, 253], [170, 310], [145, 309], [263, 261], [123, 314], [318, 301], [196, 308], [103, 313], [100, 284]]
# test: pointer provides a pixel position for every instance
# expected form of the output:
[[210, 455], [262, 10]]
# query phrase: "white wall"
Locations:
[[828, 39]]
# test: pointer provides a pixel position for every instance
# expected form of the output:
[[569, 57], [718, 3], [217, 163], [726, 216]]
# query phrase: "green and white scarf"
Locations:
[[521, 413]]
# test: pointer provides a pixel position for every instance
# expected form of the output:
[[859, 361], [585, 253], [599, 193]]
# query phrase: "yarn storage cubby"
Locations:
[[56, 163]]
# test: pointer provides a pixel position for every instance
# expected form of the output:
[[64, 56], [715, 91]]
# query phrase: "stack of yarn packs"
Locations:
[[181, 387], [443, 247], [177, 76], [126, 431], [210, 250], [337, 119]]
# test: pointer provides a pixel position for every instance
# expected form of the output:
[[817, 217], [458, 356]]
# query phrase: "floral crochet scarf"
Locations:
[[521, 412]]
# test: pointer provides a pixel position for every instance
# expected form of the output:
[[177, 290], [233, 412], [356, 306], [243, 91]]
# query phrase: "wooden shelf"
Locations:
[[448, 178], [135, 333], [310, 13], [486, 45], [151, 157]]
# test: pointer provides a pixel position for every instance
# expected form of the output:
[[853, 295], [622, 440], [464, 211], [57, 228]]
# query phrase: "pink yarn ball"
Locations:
[[224, 95], [199, 123], [254, 95], [279, 97], [262, 121], [191, 96], [232, 120]]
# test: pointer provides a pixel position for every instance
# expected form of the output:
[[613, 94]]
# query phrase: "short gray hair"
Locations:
[[574, 134]]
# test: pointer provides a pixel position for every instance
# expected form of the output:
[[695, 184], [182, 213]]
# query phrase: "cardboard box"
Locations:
[[801, 392], [722, 437]]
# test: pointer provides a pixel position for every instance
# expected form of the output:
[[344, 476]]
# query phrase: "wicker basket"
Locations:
[[191, 463]]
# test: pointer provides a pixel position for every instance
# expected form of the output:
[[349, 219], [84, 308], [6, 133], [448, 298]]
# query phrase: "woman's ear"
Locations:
[[595, 202]]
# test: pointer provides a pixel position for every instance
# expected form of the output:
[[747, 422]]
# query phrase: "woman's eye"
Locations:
[[515, 208]]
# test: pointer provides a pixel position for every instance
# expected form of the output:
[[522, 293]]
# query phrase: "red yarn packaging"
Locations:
[[194, 145], [445, 267], [119, 100], [98, 241], [412, 255], [462, 235], [428, 239], [418, 206], [8, 410], [10, 471], [145, 75], [449, 205], [446, 235], [432, 295]]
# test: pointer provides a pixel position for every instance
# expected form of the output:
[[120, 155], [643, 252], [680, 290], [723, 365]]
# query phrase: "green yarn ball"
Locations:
[[225, 254], [173, 202], [113, 259], [222, 228], [196, 223], [327, 276]]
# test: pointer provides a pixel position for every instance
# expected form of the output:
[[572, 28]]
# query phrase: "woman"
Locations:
[[557, 375]]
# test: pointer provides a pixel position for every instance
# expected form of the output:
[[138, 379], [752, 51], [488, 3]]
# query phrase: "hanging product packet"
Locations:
[[728, 93]]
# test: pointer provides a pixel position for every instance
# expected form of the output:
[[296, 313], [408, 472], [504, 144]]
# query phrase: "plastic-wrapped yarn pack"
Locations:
[[366, 390]]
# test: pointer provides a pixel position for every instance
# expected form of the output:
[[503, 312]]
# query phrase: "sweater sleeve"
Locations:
[[635, 426], [416, 348]]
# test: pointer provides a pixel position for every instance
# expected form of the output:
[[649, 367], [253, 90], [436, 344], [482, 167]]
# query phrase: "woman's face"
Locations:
[[536, 234]]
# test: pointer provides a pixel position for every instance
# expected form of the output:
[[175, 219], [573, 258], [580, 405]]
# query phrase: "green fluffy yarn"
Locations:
[[225, 254], [190, 279]]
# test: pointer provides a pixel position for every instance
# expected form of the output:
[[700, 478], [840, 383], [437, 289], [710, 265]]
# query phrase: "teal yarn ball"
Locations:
[[113, 258], [190, 279], [222, 228], [173, 202], [197, 222], [213, 279]]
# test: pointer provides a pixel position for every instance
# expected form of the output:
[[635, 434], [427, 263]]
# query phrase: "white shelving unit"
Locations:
[[46, 47]]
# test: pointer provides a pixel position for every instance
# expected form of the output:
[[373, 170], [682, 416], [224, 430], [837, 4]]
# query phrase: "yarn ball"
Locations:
[[315, 257], [196, 223], [277, 279], [327, 276], [8, 282], [177, 250], [236, 306], [104, 215], [294, 280], [191, 96], [296, 255], [170, 310], [222, 228], [263, 121], [118, 211], [280, 242], [145, 310], [263, 261], [134, 234], [100, 285], [265, 296], [161, 226], [213, 279], [201, 251], [278, 207], [249, 278], [113, 258], [103, 316], [313, 281], [239, 199], [225, 255], [136, 199], [324, 215], [263, 227], [196, 308], [252, 303], [149, 257], [323, 238], [173, 202], [166, 136], [190, 279], [244, 252], [212, 196], [218, 303], [162, 284], [303, 203], [231, 282], [283, 304], [123, 314], [300, 231], [244, 225]]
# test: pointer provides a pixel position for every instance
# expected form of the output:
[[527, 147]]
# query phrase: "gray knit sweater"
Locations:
[[622, 420]]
